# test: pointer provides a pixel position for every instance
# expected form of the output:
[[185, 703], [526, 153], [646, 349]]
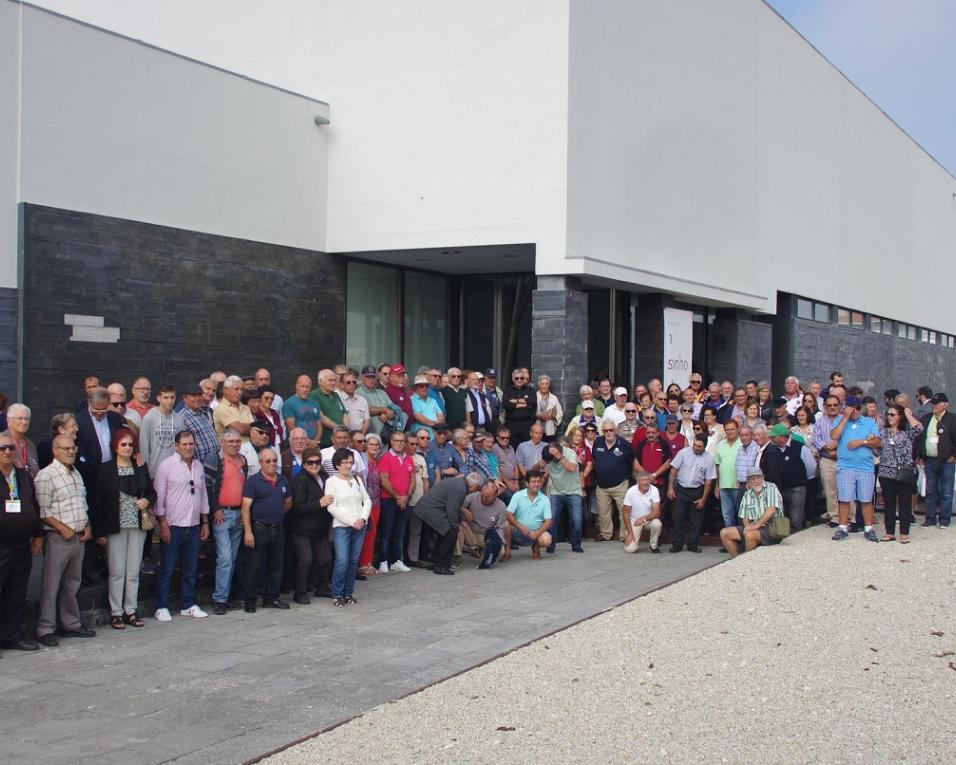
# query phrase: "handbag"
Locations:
[[779, 528], [147, 521], [906, 475]]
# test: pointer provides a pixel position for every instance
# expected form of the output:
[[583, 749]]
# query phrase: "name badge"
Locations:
[[13, 506]]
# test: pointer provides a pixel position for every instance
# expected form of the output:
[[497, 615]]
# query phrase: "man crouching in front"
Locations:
[[529, 517]]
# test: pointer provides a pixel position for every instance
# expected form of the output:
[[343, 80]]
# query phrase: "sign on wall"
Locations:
[[678, 346]]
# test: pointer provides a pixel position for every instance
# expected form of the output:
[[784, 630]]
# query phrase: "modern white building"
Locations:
[[513, 182]]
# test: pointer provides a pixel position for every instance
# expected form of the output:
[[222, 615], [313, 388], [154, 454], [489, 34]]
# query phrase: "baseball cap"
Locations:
[[779, 401], [620, 391], [779, 430], [855, 401], [671, 418], [369, 371], [264, 425], [754, 472], [397, 369], [587, 405], [940, 398], [191, 390], [441, 427], [490, 372], [421, 380]]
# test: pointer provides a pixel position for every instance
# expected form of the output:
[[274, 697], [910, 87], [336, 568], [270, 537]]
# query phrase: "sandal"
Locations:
[[133, 620], [888, 538], [116, 622], [904, 540]]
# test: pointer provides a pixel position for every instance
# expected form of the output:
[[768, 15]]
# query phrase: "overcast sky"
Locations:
[[901, 53]]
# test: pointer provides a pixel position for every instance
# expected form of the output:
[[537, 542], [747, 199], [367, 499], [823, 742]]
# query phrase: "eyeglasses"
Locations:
[[125, 443], [454, 377], [349, 382], [504, 438], [117, 403], [7, 447], [64, 448], [192, 487], [630, 411], [313, 463], [267, 461], [686, 411], [424, 438], [140, 387], [695, 382]]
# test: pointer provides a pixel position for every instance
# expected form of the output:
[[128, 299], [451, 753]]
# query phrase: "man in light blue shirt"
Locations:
[[529, 517], [856, 438]]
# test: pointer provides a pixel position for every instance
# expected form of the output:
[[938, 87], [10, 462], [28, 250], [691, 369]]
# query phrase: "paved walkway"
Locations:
[[812, 651], [229, 688]]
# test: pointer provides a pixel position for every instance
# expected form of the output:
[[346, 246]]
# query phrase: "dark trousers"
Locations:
[[444, 548], [425, 543], [309, 551], [268, 553], [520, 431], [687, 516], [15, 564], [184, 541], [897, 498], [391, 530]]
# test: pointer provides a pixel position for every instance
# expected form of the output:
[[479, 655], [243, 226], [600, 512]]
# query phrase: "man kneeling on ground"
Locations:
[[642, 508], [484, 519], [529, 517], [760, 503]]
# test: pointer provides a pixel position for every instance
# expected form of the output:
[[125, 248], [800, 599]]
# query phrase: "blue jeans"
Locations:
[[391, 530], [573, 503], [728, 506], [185, 540], [348, 544], [939, 490], [228, 534]]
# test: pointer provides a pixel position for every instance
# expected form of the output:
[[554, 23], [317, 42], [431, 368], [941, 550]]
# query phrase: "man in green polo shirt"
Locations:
[[725, 458], [564, 491], [329, 401]]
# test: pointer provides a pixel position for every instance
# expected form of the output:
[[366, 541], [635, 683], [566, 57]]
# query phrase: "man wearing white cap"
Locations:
[[615, 412]]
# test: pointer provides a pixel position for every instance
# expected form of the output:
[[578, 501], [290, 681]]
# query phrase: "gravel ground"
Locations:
[[812, 651]]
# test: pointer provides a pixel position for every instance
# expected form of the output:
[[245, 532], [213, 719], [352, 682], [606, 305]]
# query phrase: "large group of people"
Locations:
[[377, 472]]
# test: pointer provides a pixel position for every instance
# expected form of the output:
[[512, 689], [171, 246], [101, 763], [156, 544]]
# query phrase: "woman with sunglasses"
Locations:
[[373, 485], [124, 492], [350, 508], [896, 473], [309, 522]]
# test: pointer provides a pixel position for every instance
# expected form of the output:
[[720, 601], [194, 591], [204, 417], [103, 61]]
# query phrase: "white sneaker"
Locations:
[[163, 615], [383, 568], [400, 567], [194, 611]]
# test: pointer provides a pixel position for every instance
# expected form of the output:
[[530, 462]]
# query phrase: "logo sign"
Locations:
[[678, 346]]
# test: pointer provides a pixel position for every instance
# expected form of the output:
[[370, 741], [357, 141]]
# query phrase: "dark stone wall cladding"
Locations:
[[559, 342], [185, 303], [874, 362]]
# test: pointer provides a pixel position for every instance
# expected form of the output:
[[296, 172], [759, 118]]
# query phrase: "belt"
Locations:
[[264, 525]]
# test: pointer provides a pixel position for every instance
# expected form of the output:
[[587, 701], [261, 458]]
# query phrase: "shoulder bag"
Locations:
[[779, 528]]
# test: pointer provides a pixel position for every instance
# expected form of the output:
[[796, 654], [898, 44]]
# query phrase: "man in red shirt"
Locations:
[[398, 393], [653, 455], [396, 471], [225, 472]]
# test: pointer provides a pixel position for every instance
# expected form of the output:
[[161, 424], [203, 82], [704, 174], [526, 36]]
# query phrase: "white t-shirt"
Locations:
[[615, 415], [641, 504]]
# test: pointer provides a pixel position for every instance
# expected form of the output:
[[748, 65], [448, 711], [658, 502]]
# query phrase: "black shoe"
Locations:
[[301, 598], [677, 548], [219, 609], [416, 564], [49, 640], [927, 524], [361, 577], [549, 549], [722, 549], [443, 571], [349, 600], [233, 605], [577, 549], [250, 607], [21, 645], [82, 632], [694, 548], [656, 550], [275, 603], [323, 593]]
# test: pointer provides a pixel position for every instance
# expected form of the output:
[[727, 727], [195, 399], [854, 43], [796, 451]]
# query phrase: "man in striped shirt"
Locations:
[[760, 503]]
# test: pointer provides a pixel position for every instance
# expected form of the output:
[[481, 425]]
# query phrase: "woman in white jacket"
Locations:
[[350, 509], [549, 413]]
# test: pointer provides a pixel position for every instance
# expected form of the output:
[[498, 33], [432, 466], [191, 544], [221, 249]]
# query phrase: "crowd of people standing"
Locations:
[[376, 472]]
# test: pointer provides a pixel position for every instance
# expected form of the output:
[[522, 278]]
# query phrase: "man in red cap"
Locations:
[[397, 392]]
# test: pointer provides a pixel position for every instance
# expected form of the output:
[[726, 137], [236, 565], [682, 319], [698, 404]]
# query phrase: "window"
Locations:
[[856, 319], [887, 327], [426, 326], [804, 309], [843, 317], [901, 330], [911, 332], [876, 325], [924, 335], [372, 315], [821, 312], [932, 338]]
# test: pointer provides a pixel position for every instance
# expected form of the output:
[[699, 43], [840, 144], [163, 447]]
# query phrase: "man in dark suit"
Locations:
[[96, 425], [935, 451]]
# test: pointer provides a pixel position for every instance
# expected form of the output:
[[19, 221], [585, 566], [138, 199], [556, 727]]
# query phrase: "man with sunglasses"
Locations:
[[826, 446], [617, 411], [456, 398], [630, 425], [613, 467], [118, 399], [856, 438], [21, 537], [182, 509], [520, 406]]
